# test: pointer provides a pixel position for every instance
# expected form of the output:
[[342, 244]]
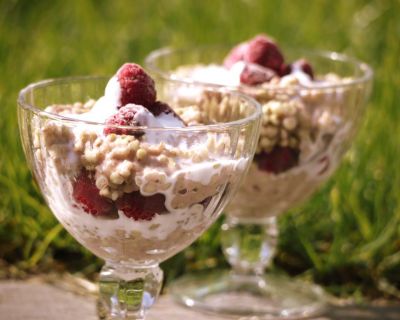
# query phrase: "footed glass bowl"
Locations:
[[307, 125], [134, 196]]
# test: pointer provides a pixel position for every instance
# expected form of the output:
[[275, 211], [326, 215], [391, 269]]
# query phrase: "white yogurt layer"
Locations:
[[76, 220]]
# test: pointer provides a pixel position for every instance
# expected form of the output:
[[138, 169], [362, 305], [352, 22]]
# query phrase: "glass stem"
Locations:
[[127, 291], [249, 246]]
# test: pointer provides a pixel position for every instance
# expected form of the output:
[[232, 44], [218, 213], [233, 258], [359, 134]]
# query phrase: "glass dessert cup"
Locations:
[[306, 129], [138, 195]]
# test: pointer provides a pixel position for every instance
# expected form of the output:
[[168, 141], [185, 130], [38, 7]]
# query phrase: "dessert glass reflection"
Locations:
[[127, 178], [311, 110]]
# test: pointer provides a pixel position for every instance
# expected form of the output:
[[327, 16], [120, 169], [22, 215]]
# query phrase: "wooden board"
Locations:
[[38, 300]]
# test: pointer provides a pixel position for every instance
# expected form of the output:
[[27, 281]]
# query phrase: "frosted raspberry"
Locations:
[[253, 74], [303, 65], [325, 162], [158, 108], [136, 85], [285, 69], [87, 196], [138, 207], [280, 159], [124, 117], [236, 54], [262, 50]]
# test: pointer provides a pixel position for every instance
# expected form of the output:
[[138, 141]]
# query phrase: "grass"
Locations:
[[347, 237]]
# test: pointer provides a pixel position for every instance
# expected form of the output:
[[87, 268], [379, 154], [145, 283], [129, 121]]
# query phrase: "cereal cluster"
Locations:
[[295, 116], [115, 160], [289, 111], [57, 141], [125, 163], [212, 107], [281, 123], [75, 108]]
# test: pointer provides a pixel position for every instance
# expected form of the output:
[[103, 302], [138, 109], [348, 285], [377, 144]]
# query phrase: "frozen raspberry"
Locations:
[[262, 50], [158, 108], [253, 74], [304, 66], [285, 70], [87, 196], [324, 161], [207, 200], [236, 54], [124, 117], [278, 160], [136, 85], [138, 207]]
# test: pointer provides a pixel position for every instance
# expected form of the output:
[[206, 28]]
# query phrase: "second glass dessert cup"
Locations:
[[133, 196], [308, 123]]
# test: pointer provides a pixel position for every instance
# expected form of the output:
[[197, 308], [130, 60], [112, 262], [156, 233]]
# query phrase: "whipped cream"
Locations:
[[105, 106], [213, 73], [220, 75]]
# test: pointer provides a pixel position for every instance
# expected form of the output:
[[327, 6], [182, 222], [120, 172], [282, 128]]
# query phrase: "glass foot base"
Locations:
[[127, 291], [267, 296]]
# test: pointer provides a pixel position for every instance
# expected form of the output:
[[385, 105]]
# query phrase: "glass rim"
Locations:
[[366, 70], [21, 100]]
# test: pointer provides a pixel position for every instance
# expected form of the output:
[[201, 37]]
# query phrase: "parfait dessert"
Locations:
[[311, 103], [303, 124], [128, 177]]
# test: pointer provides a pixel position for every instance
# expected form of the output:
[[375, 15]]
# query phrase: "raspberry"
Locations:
[[236, 54], [253, 74], [326, 163], [303, 65], [285, 69], [136, 85], [87, 195], [278, 160], [263, 51], [124, 117], [159, 107], [138, 207]]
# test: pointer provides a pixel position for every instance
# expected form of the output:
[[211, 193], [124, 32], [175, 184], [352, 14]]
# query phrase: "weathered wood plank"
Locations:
[[37, 300]]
